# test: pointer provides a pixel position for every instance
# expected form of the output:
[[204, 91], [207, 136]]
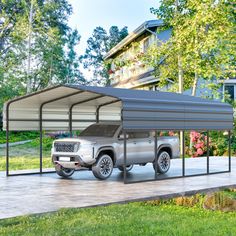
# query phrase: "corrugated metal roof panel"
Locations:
[[138, 109]]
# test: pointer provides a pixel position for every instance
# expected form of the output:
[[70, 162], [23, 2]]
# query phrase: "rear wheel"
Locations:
[[64, 172], [103, 168], [163, 162], [128, 168]]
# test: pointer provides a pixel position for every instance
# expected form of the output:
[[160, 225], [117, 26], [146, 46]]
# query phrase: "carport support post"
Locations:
[[125, 156], [7, 141], [183, 156], [229, 133], [208, 169], [70, 121], [41, 140], [41, 124], [155, 154], [97, 114]]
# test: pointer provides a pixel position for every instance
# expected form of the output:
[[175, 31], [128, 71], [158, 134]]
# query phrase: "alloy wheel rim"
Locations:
[[105, 166], [164, 161]]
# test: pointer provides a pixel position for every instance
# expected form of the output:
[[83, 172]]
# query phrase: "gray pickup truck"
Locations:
[[100, 148]]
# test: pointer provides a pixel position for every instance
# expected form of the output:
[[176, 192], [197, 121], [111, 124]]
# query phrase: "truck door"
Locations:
[[140, 148], [144, 147]]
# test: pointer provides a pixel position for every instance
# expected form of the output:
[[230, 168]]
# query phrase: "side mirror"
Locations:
[[121, 136]]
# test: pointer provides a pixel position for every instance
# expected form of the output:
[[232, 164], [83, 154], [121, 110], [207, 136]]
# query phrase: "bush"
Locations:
[[47, 143], [16, 136], [221, 201], [198, 144]]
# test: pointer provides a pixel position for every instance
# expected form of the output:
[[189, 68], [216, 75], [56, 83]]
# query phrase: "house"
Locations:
[[138, 76], [229, 87]]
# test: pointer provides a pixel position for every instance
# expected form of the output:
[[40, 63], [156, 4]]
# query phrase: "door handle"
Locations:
[[150, 141], [134, 142]]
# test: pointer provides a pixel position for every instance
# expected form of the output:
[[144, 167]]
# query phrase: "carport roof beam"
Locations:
[[102, 105], [78, 103]]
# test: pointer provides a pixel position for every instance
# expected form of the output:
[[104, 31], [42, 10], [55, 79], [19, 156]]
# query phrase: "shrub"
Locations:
[[198, 147], [16, 136]]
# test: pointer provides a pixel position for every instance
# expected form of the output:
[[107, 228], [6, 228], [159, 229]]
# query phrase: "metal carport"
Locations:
[[74, 107]]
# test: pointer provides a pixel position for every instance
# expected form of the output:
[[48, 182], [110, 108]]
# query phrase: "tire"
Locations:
[[163, 162], [128, 168], [103, 167], [64, 172]]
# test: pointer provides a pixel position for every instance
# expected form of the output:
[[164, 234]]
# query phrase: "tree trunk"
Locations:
[[181, 89], [195, 82], [180, 75], [29, 48]]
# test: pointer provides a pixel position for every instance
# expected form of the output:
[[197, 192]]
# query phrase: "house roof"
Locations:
[[133, 35], [136, 109]]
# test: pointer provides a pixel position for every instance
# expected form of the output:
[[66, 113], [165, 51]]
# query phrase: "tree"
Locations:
[[13, 23], [202, 36], [54, 45], [202, 44], [51, 51], [97, 46], [72, 60]]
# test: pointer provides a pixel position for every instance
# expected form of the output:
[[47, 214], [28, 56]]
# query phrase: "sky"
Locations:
[[88, 14]]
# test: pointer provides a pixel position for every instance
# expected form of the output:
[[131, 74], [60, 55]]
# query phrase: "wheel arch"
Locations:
[[167, 148], [109, 150]]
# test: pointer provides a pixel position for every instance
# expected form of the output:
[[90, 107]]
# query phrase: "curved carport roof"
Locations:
[[55, 107]]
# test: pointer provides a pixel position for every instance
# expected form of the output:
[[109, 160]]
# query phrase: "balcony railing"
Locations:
[[128, 72]]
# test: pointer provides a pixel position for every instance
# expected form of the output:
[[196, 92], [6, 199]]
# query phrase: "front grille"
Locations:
[[66, 147]]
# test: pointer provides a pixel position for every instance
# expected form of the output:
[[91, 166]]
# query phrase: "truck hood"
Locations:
[[86, 140]]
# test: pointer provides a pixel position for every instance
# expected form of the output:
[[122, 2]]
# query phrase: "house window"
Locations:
[[229, 90], [145, 44]]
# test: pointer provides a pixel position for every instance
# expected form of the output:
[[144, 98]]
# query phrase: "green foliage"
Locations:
[[224, 200], [27, 135], [18, 136], [231, 193], [47, 143], [202, 41], [98, 45], [52, 51], [220, 141]]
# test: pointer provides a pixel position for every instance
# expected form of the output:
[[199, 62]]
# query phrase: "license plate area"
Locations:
[[66, 159]]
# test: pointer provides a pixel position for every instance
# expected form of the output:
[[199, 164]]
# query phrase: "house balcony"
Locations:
[[126, 72]]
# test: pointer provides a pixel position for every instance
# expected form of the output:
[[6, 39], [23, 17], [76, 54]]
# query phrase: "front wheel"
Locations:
[[128, 168], [163, 162], [64, 172], [103, 168]]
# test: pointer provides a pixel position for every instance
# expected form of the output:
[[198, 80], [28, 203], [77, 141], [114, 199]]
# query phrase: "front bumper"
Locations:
[[75, 162], [68, 164]]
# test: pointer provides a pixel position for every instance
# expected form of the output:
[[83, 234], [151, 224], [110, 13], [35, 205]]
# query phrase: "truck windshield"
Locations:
[[100, 130]]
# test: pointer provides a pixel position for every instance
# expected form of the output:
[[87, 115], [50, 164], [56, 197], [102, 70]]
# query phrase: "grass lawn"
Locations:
[[128, 219], [26, 156], [25, 163]]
